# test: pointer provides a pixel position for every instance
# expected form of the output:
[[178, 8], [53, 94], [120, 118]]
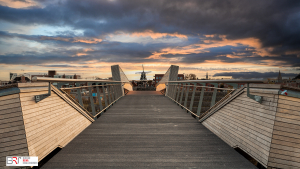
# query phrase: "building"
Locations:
[[295, 82], [158, 77]]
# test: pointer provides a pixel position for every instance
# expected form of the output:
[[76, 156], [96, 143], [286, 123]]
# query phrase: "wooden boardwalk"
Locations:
[[146, 130]]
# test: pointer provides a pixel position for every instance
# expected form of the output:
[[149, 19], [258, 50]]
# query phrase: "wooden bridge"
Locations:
[[185, 124]]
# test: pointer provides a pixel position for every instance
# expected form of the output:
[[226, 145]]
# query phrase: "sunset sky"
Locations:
[[227, 38]]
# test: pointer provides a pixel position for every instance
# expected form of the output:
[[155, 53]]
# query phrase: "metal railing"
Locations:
[[93, 96], [198, 99]]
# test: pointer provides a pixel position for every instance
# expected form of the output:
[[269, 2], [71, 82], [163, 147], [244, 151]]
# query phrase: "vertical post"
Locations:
[[49, 89], [108, 94], [112, 93], [182, 90], [193, 96], [104, 95], [200, 101], [174, 91], [178, 92], [213, 99], [79, 94], [186, 96], [99, 98], [92, 100]]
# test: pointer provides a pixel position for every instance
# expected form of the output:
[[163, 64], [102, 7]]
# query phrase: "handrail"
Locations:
[[221, 81], [46, 79]]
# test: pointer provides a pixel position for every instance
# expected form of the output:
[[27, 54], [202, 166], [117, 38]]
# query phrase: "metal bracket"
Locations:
[[43, 96], [254, 97]]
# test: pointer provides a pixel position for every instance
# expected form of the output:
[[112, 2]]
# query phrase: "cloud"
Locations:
[[254, 75], [197, 31], [62, 66]]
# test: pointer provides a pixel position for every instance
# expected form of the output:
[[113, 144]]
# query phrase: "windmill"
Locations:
[[143, 74]]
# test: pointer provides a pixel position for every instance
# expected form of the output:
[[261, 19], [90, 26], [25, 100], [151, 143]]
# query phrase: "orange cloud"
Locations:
[[84, 52], [203, 48], [18, 4], [155, 35], [73, 40]]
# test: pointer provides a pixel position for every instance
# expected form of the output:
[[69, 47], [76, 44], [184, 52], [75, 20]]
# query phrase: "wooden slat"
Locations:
[[14, 133], [288, 140], [262, 134], [286, 111], [11, 120], [257, 126], [284, 148], [285, 153], [9, 106], [287, 120], [251, 113], [11, 129], [251, 129], [255, 153], [14, 153], [9, 101], [285, 162], [32, 89], [8, 125], [7, 139], [15, 113], [40, 84], [286, 126], [12, 143], [277, 165], [12, 110], [14, 147], [283, 143], [257, 143], [290, 103], [289, 107], [12, 96], [281, 97]]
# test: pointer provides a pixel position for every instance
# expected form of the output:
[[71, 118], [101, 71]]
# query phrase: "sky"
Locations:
[[227, 39]]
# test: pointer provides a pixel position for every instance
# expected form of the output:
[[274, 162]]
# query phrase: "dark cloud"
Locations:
[[275, 23], [62, 66], [255, 75]]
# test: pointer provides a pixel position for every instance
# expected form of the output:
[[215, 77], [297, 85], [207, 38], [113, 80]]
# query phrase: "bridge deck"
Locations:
[[146, 130]]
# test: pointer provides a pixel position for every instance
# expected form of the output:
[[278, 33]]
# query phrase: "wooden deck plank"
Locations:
[[142, 129]]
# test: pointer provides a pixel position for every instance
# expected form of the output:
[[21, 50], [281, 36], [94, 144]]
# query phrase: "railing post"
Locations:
[[174, 91], [92, 100], [104, 95], [193, 96], [186, 96], [108, 94], [178, 92], [79, 94], [112, 93], [182, 90], [99, 98], [200, 101], [213, 99]]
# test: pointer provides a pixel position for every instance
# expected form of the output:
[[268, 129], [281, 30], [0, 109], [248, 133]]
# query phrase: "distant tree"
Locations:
[[297, 77], [190, 77]]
